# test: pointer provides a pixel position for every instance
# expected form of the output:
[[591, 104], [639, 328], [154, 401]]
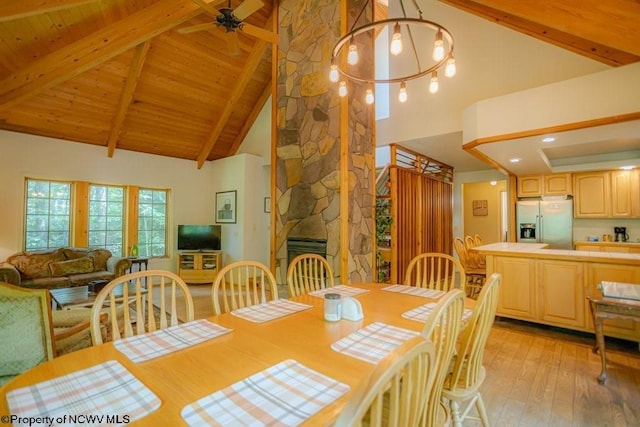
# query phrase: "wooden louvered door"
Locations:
[[422, 210]]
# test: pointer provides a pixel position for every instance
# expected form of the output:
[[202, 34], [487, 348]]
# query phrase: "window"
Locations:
[[93, 215], [48, 215], [106, 218], [152, 222]]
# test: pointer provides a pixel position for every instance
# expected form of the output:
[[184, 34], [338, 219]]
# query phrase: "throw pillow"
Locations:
[[72, 266]]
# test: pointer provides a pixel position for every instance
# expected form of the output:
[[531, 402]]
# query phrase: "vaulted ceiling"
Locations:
[[128, 75]]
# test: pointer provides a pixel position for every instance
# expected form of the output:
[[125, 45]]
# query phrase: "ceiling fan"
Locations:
[[232, 21]]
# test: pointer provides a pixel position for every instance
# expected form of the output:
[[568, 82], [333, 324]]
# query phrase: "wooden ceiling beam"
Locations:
[[604, 31], [253, 115], [95, 49], [16, 9], [249, 68], [127, 95]]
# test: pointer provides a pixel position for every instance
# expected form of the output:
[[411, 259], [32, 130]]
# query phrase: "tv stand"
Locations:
[[199, 266]]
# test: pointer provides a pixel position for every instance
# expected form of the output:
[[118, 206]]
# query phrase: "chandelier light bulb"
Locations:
[[450, 68], [438, 47], [368, 98], [352, 56], [333, 73], [396, 40], [342, 89], [433, 85], [402, 95]]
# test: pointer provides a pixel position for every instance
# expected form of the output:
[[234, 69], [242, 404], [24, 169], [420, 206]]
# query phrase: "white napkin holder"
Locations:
[[351, 309]]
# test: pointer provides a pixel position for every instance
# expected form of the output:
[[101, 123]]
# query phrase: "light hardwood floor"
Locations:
[[541, 376]]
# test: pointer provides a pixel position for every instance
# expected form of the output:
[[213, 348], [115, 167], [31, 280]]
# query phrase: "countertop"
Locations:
[[536, 250], [612, 243]]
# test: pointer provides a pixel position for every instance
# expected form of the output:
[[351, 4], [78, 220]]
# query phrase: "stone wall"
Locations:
[[312, 154]]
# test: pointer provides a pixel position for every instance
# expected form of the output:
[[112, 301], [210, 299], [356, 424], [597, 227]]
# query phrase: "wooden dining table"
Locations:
[[187, 375]]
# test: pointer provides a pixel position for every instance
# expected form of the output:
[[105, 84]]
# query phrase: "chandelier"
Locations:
[[402, 28]]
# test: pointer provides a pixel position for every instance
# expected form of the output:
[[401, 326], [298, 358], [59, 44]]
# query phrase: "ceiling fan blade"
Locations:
[[199, 27], [246, 8], [209, 7], [260, 33], [233, 45]]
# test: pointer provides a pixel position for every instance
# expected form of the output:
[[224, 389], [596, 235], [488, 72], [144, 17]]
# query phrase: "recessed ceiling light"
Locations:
[[515, 160], [548, 139], [626, 168]]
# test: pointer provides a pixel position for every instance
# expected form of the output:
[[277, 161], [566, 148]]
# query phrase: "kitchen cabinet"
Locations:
[[592, 195], [561, 293], [551, 286], [544, 185], [607, 194], [518, 290]]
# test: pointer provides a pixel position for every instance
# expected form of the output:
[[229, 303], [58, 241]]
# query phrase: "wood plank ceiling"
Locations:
[[119, 74]]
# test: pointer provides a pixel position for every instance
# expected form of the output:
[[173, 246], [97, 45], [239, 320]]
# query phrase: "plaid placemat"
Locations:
[[269, 310], [414, 290], [286, 394], [344, 290], [165, 341], [373, 342], [106, 392], [420, 314]]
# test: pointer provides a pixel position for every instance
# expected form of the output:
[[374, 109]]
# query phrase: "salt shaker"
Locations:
[[332, 307]]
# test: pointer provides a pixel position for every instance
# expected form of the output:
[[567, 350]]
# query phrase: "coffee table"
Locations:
[[81, 296]]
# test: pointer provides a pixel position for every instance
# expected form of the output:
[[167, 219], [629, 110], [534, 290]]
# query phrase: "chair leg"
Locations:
[[481, 410], [455, 413]]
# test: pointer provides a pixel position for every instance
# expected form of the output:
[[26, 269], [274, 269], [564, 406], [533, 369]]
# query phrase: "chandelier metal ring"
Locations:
[[383, 23]]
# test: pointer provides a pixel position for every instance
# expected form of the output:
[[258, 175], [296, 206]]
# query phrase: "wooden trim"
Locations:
[[131, 217], [17, 9], [273, 248], [94, 49], [80, 228], [127, 95], [471, 147], [588, 28]]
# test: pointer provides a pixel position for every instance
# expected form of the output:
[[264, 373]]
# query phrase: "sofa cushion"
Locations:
[[100, 257], [46, 283], [71, 266], [35, 265]]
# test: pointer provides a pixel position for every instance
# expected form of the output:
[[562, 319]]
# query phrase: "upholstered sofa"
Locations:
[[62, 267]]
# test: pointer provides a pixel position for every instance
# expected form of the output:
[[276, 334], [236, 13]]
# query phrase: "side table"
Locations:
[[610, 308], [139, 261]]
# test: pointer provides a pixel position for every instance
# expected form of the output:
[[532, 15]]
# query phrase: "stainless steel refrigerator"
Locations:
[[546, 221]]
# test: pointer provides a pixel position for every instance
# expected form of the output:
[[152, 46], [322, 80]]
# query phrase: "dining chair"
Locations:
[[442, 328], [434, 270], [475, 275], [468, 374], [140, 302], [395, 394], [242, 284], [26, 331], [477, 259], [307, 273]]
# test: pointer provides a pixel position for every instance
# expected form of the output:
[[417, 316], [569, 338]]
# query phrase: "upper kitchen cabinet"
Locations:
[[608, 194], [544, 185], [592, 197]]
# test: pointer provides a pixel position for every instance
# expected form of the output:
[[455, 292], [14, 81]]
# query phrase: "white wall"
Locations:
[[192, 189], [248, 238]]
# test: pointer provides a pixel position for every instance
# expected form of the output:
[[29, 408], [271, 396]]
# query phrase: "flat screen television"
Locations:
[[199, 237]]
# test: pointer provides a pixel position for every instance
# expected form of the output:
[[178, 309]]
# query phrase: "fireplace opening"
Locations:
[[301, 245]]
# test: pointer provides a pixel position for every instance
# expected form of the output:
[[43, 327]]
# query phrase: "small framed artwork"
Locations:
[[267, 205], [226, 207], [480, 208]]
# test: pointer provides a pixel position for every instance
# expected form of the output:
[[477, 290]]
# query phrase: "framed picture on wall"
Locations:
[[480, 208], [226, 207]]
